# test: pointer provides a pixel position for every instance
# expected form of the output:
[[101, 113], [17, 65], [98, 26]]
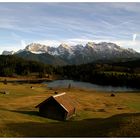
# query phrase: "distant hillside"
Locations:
[[43, 58]]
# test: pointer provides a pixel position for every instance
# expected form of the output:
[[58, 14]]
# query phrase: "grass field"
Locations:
[[97, 114]]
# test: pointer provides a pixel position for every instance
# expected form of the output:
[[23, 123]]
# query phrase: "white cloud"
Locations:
[[134, 37], [129, 44], [74, 41], [56, 43], [23, 44], [83, 41], [114, 22], [53, 43], [123, 43], [130, 7], [13, 47]]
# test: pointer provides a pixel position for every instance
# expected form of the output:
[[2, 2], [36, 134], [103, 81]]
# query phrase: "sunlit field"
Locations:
[[97, 113]]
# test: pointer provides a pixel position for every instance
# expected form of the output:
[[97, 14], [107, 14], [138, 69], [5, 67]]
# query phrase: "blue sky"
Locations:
[[71, 23]]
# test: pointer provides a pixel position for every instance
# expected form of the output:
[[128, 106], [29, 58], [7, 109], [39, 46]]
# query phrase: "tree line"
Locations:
[[119, 74], [13, 65], [103, 74]]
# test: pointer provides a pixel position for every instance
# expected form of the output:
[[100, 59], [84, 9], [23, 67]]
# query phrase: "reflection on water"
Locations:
[[85, 85]]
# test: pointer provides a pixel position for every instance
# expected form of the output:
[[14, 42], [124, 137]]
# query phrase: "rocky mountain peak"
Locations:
[[79, 54], [64, 45], [90, 44]]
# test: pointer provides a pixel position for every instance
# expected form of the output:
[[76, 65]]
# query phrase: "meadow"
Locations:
[[97, 113]]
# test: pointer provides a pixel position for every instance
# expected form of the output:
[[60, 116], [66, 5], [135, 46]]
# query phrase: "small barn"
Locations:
[[58, 107]]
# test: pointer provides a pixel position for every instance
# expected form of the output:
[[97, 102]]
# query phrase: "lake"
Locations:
[[86, 85]]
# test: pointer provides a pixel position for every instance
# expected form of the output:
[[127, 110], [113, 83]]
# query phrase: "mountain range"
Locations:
[[77, 54]]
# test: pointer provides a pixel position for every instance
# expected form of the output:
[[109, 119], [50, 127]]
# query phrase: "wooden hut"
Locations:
[[59, 107]]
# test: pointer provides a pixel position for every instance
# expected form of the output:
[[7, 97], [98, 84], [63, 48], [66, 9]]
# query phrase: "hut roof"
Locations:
[[62, 99]]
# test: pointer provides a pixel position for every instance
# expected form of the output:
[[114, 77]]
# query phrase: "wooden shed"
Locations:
[[59, 107]]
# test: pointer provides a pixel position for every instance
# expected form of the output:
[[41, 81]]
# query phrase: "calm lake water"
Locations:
[[85, 85]]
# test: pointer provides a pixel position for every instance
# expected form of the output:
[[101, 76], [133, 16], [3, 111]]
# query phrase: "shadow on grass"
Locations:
[[29, 112], [34, 113], [122, 125]]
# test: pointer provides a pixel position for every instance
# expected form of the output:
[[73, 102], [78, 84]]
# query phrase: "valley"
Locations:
[[69, 69], [107, 107]]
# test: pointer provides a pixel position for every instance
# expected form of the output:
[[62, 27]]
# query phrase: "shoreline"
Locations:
[[32, 81]]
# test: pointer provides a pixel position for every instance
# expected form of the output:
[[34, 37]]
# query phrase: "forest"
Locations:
[[12, 65], [115, 74]]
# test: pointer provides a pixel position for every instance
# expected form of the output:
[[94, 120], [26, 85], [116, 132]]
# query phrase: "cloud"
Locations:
[[53, 43], [129, 7], [56, 43], [74, 41], [74, 23], [129, 44], [134, 37], [13, 47], [23, 44]]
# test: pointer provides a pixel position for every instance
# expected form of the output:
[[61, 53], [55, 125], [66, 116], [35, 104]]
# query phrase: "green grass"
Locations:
[[134, 105], [123, 125]]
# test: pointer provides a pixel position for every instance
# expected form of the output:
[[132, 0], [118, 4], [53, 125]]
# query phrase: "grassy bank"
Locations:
[[97, 113]]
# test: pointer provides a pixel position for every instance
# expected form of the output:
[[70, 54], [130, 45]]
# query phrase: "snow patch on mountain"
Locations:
[[90, 51], [8, 52]]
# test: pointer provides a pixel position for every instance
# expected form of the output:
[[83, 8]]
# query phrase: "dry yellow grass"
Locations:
[[17, 109]]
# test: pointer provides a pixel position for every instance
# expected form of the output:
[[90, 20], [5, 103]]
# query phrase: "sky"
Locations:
[[71, 23]]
